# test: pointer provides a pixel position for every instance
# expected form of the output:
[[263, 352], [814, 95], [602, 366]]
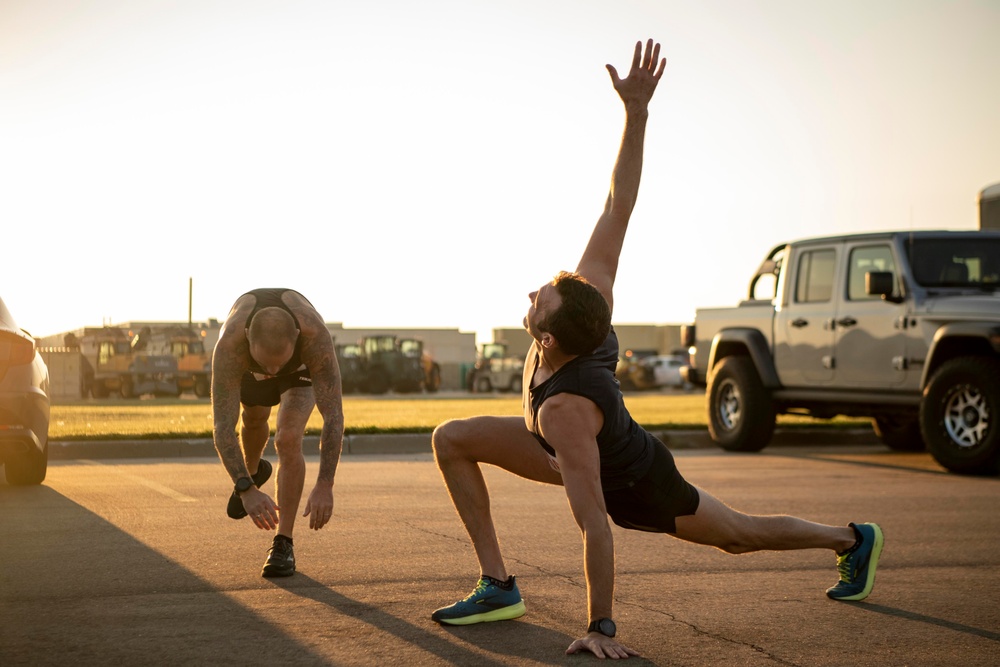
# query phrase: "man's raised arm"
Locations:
[[599, 263]]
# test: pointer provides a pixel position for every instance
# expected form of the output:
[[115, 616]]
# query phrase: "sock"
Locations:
[[504, 585], [857, 542], [283, 539]]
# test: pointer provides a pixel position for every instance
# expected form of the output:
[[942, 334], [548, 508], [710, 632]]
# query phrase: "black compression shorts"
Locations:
[[268, 391], [656, 500]]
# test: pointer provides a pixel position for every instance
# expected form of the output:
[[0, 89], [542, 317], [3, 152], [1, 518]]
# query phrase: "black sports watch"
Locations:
[[243, 484], [603, 625]]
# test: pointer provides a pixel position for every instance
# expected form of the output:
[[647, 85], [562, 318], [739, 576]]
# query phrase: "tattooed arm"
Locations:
[[320, 357], [229, 362]]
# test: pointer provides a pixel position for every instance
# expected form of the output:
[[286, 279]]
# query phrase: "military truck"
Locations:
[[902, 327], [495, 369]]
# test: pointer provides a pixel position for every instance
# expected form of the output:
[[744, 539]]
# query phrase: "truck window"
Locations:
[[955, 262], [864, 260], [814, 279]]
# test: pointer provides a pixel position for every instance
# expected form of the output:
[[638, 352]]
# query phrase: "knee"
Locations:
[[446, 440], [288, 444]]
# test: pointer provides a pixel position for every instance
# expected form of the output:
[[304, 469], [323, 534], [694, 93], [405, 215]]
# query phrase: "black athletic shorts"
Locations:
[[268, 391], [655, 501]]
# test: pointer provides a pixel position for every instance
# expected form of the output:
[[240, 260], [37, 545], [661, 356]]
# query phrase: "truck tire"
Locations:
[[100, 390], [960, 415], [899, 433], [378, 381], [740, 410], [483, 385], [202, 388], [516, 384], [127, 389], [27, 468], [434, 380]]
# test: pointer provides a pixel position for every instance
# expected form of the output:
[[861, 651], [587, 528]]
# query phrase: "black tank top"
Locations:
[[270, 297], [626, 449]]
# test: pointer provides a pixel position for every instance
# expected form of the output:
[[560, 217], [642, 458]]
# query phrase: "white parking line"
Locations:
[[149, 484]]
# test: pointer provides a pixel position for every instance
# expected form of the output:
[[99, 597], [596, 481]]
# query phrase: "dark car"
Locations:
[[24, 404]]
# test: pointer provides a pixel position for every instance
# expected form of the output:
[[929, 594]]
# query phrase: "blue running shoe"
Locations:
[[857, 566], [489, 602]]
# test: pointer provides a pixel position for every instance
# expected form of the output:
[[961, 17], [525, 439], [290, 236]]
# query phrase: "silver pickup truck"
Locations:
[[902, 327]]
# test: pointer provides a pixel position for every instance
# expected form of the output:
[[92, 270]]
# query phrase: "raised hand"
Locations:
[[638, 86]]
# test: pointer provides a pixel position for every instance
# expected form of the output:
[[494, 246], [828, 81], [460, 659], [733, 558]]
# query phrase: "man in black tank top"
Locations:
[[275, 349], [576, 432]]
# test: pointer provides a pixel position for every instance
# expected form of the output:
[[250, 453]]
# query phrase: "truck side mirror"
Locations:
[[881, 283]]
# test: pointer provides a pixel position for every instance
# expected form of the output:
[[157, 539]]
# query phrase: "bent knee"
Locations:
[[447, 438]]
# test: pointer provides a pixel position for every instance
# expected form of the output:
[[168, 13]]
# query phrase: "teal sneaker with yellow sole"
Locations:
[[857, 566], [492, 600]]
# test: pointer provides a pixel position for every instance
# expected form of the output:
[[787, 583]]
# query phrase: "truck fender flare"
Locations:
[[756, 346], [987, 331]]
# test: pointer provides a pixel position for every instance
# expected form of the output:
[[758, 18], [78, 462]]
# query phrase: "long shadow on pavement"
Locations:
[[77, 590], [931, 620], [508, 641]]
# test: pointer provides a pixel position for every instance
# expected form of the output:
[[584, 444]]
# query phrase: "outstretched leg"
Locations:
[[719, 525]]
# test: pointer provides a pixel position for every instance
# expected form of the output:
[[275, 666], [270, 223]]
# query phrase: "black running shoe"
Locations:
[[280, 559], [235, 508]]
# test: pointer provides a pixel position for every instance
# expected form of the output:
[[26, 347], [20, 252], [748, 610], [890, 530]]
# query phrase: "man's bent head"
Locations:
[[272, 335]]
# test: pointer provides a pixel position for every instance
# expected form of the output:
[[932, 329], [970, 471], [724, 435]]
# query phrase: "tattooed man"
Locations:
[[275, 349]]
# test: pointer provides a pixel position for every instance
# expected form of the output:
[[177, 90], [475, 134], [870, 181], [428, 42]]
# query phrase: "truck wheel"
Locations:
[[27, 468], [127, 390], [434, 380], [740, 411], [516, 384], [100, 390], [960, 415], [899, 433], [483, 385], [378, 381], [202, 388]]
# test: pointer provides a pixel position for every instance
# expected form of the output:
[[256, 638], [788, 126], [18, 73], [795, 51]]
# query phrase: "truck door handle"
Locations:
[[799, 323], [847, 322]]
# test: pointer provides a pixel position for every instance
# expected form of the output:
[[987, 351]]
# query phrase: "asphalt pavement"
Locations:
[[132, 561]]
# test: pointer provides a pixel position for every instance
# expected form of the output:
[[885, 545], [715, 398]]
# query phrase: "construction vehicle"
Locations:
[[194, 362], [495, 369], [350, 359], [380, 363], [111, 365]]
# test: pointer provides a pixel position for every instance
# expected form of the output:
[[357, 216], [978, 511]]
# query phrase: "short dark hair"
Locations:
[[583, 320]]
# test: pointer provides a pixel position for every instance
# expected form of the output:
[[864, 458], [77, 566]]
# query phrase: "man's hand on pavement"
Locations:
[[601, 646]]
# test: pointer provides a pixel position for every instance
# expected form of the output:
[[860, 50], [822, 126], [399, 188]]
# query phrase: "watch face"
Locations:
[[607, 627], [243, 483]]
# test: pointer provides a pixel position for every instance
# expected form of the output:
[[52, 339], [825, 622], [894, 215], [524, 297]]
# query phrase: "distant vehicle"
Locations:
[[630, 372], [112, 366], [377, 364], [495, 369], [664, 370], [24, 404], [902, 327]]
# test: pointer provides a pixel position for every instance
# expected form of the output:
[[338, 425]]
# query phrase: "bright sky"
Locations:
[[427, 164]]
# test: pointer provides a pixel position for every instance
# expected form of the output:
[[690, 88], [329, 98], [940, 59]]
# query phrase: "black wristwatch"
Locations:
[[603, 625], [243, 484]]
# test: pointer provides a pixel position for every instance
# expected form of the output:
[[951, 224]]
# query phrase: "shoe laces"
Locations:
[[845, 567], [480, 589], [281, 548]]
